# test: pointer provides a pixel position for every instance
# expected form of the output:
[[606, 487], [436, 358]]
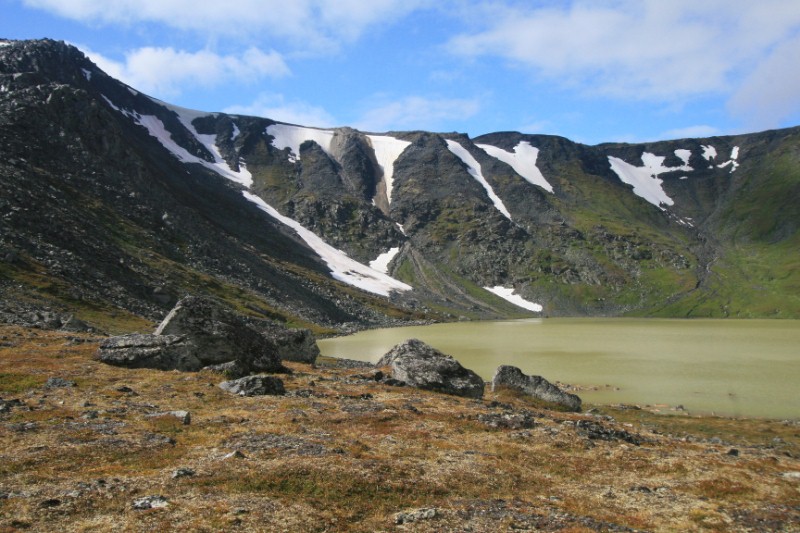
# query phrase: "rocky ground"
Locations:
[[89, 447]]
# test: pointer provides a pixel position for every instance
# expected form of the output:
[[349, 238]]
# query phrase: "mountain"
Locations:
[[113, 205]]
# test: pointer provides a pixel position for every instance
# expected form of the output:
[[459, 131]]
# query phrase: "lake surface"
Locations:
[[733, 367]]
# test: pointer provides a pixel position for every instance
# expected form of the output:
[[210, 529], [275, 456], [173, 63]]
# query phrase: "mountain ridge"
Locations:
[[687, 227]]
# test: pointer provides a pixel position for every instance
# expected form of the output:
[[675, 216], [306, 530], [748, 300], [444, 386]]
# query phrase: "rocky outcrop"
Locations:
[[202, 333], [27, 316], [511, 377], [220, 335], [424, 367], [297, 345], [254, 386], [162, 352]]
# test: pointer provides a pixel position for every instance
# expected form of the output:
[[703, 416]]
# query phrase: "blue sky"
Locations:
[[592, 71]]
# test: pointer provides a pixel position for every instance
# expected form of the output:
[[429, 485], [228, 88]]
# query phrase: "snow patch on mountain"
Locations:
[[507, 293], [209, 141], [684, 156], [387, 150], [709, 152], [522, 160], [235, 133], [156, 129], [474, 169], [381, 263], [86, 74], [644, 179], [343, 268], [291, 137], [732, 161]]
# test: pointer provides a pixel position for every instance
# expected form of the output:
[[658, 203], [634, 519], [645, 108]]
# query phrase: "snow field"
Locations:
[[709, 152], [291, 137], [507, 293], [381, 263], [522, 160], [387, 150], [474, 169], [643, 179], [343, 268], [156, 129]]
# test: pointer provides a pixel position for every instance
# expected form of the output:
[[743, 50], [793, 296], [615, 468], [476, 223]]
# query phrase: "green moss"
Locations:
[[11, 383]]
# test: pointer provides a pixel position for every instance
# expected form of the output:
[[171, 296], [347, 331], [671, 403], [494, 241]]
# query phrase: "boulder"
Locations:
[[163, 352], [297, 345], [254, 386], [200, 332], [537, 387], [220, 335], [424, 367]]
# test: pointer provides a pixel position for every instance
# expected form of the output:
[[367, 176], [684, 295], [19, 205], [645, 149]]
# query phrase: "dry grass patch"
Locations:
[[340, 452]]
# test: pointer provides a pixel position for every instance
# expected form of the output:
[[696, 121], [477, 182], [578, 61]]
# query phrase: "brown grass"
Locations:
[[341, 453]]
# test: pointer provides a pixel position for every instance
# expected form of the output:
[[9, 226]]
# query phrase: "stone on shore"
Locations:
[[424, 367], [537, 387]]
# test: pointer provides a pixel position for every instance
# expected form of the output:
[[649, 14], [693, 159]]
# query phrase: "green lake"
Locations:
[[745, 368]]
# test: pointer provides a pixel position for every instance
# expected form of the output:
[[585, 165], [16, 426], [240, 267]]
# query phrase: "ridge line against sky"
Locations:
[[592, 71]]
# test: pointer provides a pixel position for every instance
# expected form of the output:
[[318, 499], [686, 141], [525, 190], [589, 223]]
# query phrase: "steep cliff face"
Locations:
[[111, 199]]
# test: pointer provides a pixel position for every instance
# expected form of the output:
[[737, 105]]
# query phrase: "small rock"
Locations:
[[184, 416], [234, 455], [254, 386], [508, 420], [58, 383], [794, 476], [733, 452], [416, 515], [183, 472], [51, 502], [150, 502]]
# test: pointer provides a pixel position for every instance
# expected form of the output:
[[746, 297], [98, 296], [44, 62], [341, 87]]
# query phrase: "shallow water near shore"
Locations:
[[747, 368]]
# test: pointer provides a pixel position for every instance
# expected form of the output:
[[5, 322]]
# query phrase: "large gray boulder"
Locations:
[[297, 345], [537, 387], [425, 367], [163, 352], [220, 335], [201, 332]]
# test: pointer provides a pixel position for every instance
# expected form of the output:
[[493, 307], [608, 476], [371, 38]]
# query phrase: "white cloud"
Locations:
[[416, 113], [691, 132], [648, 49], [277, 107], [771, 92], [162, 71], [313, 23]]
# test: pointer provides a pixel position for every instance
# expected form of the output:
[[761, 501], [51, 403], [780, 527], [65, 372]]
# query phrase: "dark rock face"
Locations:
[[424, 367], [220, 335], [162, 352], [79, 176], [254, 386], [536, 386]]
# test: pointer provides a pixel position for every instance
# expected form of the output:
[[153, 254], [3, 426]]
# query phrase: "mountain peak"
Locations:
[[115, 200]]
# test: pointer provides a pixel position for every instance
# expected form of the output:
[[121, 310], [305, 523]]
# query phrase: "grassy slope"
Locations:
[[342, 453], [757, 270]]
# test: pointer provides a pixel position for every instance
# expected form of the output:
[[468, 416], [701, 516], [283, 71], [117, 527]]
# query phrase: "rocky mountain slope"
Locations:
[[113, 204]]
